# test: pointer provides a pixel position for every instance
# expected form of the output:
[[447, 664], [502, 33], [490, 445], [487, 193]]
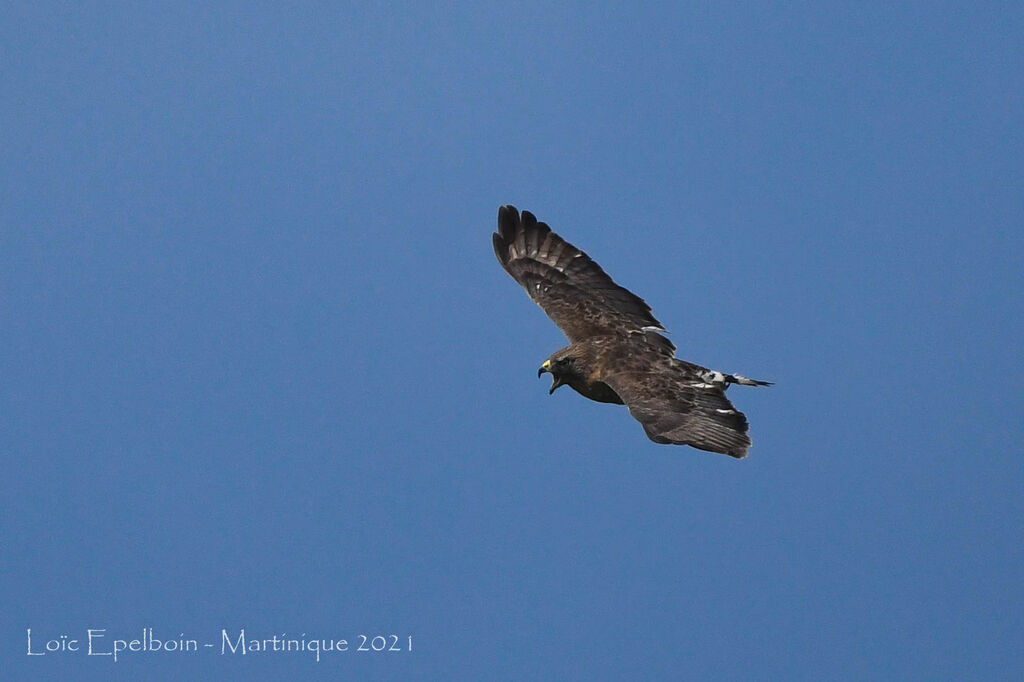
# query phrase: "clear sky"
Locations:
[[261, 371]]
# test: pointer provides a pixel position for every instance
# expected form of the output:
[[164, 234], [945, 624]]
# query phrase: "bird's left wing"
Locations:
[[571, 288]]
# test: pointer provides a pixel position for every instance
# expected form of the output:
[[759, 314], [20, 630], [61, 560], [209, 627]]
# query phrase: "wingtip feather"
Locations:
[[508, 219], [500, 249]]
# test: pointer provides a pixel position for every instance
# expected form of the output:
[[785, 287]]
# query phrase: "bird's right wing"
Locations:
[[673, 402], [571, 288]]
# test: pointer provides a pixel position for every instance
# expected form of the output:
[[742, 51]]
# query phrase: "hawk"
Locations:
[[616, 352]]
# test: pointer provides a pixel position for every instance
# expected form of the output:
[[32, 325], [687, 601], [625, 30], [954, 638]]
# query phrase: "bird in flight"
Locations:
[[616, 352]]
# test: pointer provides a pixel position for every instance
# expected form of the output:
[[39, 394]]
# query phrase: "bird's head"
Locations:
[[561, 367]]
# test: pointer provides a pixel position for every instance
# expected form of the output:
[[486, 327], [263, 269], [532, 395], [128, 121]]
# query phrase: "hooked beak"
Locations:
[[555, 380]]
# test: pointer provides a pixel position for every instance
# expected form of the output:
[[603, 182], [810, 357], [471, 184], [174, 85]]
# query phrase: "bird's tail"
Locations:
[[744, 381]]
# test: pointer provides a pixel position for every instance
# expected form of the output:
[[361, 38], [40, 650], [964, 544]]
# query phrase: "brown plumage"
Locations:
[[617, 353]]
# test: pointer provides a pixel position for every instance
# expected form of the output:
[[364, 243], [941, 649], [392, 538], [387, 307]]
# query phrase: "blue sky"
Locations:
[[261, 369]]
